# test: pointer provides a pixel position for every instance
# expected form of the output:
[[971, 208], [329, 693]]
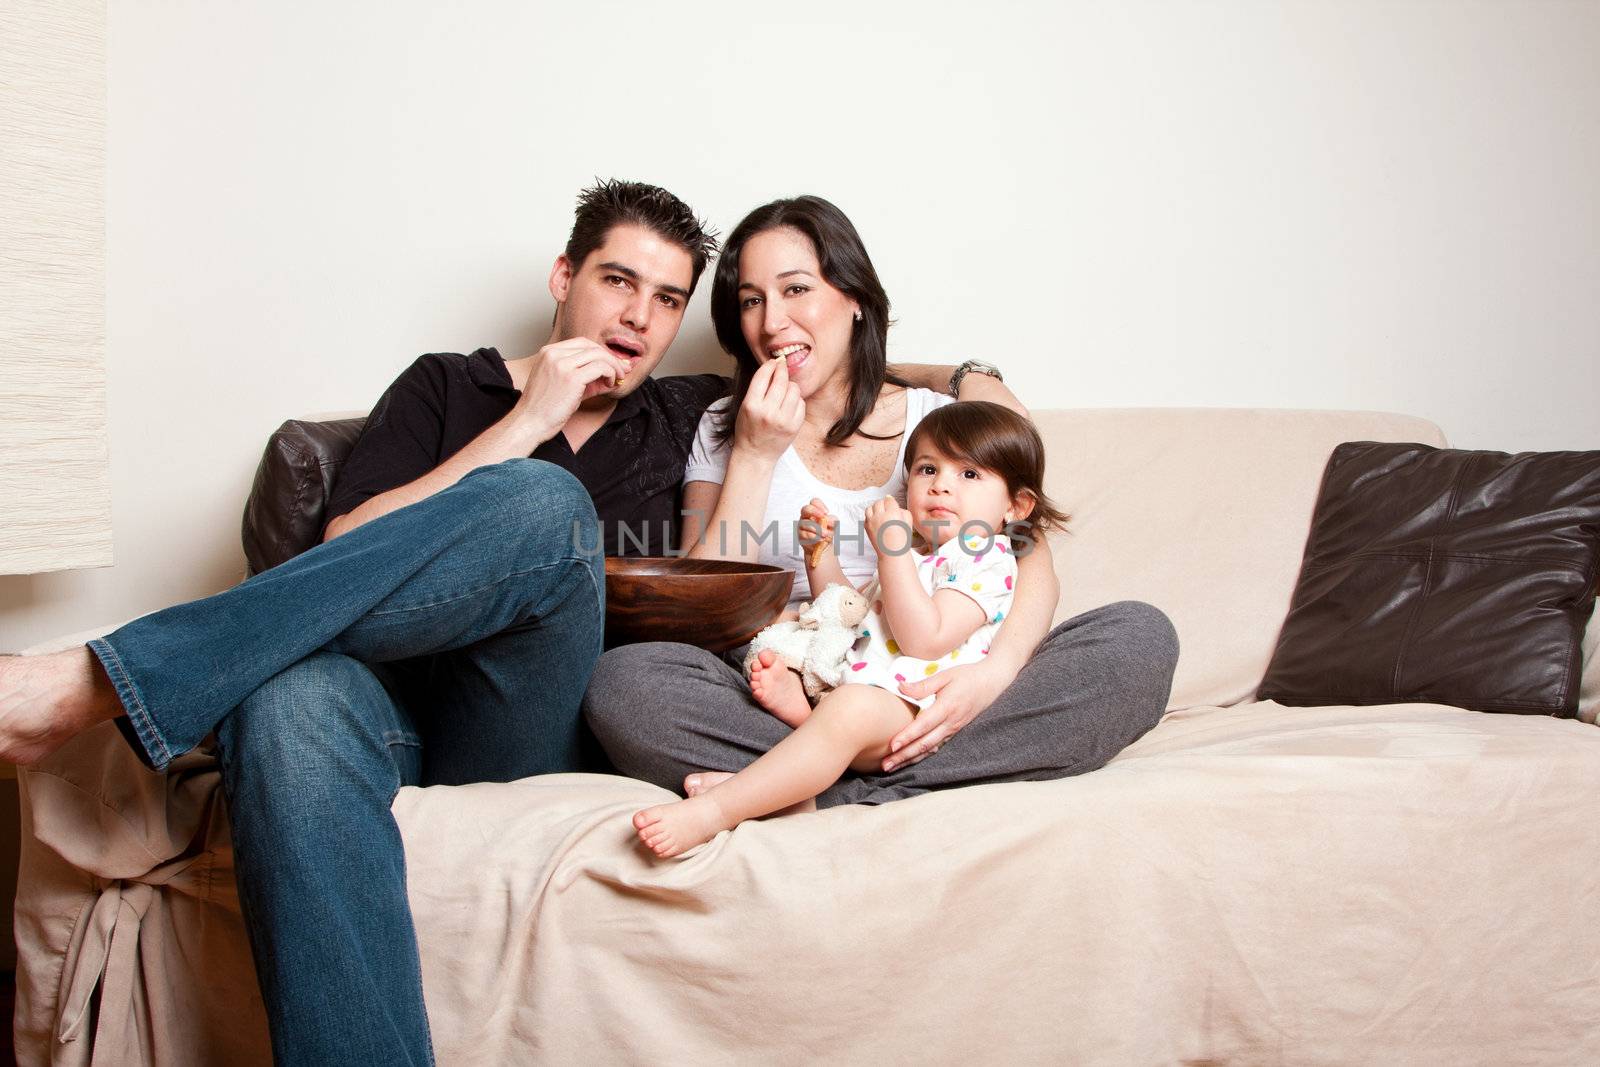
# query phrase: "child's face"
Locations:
[[944, 494]]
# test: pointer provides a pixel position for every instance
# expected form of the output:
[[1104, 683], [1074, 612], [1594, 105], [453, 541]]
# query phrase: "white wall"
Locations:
[[1387, 205]]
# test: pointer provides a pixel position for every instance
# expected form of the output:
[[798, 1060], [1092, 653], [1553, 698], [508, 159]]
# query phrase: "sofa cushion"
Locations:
[[1444, 576], [284, 513], [1246, 885], [1201, 512]]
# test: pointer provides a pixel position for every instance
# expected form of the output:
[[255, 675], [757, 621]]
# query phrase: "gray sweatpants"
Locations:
[[1096, 683]]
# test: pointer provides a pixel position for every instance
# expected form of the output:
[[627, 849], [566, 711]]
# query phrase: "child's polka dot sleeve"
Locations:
[[980, 569]]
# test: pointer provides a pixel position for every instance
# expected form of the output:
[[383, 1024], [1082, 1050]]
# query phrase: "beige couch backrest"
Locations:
[[1203, 513]]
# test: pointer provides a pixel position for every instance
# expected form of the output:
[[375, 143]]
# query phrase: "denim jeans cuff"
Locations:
[[138, 727]]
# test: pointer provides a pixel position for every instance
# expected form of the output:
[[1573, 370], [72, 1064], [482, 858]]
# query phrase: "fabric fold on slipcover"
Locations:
[[131, 878]]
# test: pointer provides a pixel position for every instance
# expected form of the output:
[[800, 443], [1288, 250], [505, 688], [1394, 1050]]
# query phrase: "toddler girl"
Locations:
[[946, 569]]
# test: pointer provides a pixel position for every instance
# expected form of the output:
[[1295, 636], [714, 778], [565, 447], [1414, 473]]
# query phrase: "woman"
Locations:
[[814, 413]]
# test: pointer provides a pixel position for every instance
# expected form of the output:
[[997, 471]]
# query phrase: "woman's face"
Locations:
[[788, 310]]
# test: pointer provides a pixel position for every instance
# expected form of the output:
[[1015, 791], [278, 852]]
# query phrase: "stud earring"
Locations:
[[858, 314]]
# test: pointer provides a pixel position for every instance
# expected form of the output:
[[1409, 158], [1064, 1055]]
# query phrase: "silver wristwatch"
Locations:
[[973, 366]]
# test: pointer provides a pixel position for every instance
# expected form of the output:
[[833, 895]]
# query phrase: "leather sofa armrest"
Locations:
[[284, 513]]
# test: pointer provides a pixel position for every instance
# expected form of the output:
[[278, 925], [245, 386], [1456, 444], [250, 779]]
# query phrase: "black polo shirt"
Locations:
[[632, 466]]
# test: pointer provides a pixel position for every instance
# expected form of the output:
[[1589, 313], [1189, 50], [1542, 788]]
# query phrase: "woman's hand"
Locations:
[[888, 518], [964, 694], [772, 413]]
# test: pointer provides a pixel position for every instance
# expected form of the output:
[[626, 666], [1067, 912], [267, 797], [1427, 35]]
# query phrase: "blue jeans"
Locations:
[[447, 642]]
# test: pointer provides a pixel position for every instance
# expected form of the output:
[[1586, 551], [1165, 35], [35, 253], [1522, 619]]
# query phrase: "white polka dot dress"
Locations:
[[981, 568]]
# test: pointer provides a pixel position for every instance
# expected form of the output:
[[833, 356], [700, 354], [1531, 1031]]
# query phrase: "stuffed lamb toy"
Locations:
[[817, 645]]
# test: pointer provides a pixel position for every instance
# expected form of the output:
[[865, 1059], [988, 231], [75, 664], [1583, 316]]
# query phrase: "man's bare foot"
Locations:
[[669, 829], [778, 689], [47, 700], [700, 781]]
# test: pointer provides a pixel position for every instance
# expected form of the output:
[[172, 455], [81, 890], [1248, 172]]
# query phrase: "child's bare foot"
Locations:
[[669, 829], [700, 781], [778, 689], [46, 700]]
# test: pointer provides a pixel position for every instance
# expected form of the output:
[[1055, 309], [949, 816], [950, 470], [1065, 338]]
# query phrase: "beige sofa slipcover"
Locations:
[[1248, 883]]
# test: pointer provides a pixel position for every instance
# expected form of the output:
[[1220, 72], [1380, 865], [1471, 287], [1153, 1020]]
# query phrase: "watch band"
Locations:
[[973, 366]]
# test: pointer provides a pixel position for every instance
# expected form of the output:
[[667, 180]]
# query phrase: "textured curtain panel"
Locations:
[[55, 492]]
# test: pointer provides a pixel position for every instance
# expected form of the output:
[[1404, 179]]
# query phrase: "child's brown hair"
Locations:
[[993, 438]]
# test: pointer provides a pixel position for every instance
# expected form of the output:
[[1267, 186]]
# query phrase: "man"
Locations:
[[449, 642], [444, 632]]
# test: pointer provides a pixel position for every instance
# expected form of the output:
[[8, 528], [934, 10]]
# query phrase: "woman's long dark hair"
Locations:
[[845, 266]]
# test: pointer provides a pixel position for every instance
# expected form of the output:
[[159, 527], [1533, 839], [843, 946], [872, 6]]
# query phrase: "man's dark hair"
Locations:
[[612, 202], [847, 267]]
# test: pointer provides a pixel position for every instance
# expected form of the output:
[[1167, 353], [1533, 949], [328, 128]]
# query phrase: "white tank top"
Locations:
[[793, 486]]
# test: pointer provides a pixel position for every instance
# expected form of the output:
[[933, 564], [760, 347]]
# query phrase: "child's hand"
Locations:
[[816, 530], [887, 521]]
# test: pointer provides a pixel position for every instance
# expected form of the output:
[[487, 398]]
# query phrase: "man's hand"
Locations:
[[562, 376], [964, 693], [888, 520], [772, 413]]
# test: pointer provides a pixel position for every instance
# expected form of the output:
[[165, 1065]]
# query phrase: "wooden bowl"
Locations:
[[714, 603]]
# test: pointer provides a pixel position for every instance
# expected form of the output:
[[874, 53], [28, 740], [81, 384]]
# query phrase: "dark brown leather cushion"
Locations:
[[1446, 577], [284, 515]]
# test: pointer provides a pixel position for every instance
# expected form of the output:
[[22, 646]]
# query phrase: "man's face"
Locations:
[[628, 295]]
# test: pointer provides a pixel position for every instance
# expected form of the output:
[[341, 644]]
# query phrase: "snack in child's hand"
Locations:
[[815, 521], [815, 554]]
